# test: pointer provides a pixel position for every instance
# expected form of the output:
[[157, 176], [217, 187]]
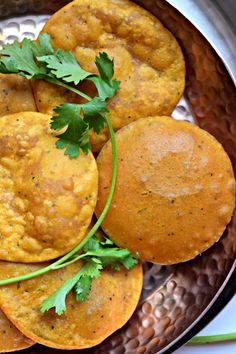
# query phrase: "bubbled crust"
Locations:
[[47, 199], [10, 338], [148, 60], [15, 95], [175, 190], [111, 302]]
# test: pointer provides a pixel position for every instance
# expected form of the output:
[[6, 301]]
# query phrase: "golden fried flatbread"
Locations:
[[46, 199], [10, 338], [148, 60], [175, 191], [110, 304], [15, 95]]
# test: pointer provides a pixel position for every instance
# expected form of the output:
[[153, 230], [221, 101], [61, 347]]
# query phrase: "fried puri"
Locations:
[[10, 338], [15, 95], [148, 60], [111, 302], [46, 198], [175, 190]]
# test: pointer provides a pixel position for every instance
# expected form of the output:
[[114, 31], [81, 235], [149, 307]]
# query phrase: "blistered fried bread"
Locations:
[[111, 302], [175, 190], [46, 198], [10, 338], [15, 95], [148, 60]]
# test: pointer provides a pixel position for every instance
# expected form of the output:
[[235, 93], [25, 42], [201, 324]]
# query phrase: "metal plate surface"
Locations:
[[174, 298]]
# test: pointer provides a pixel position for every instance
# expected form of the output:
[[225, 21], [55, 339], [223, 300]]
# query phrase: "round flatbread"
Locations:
[[10, 338], [15, 95], [111, 302], [46, 199], [148, 60], [175, 190]]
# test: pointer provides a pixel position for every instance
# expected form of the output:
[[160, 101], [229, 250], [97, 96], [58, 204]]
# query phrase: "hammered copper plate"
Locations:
[[175, 297]]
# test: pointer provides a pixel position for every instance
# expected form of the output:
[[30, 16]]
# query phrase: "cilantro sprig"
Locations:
[[79, 119], [97, 256], [212, 338], [38, 60]]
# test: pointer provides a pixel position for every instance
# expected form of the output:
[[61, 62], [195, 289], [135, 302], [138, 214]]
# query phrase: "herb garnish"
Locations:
[[97, 255], [34, 60], [78, 118], [41, 61]]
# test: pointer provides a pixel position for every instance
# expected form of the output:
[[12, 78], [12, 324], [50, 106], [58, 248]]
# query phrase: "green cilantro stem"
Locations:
[[213, 338], [75, 259], [40, 61], [68, 87], [67, 256]]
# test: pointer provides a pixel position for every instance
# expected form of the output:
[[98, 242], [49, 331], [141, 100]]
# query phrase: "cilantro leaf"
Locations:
[[76, 136], [63, 115], [91, 270], [109, 254], [82, 288], [93, 244], [105, 66], [107, 242], [20, 59], [82, 283], [63, 65], [114, 257], [106, 89], [43, 47], [94, 106], [7, 65], [58, 298], [92, 267], [92, 115], [95, 122], [78, 118]]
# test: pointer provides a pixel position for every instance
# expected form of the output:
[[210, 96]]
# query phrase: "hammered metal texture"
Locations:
[[21, 27], [174, 297]]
